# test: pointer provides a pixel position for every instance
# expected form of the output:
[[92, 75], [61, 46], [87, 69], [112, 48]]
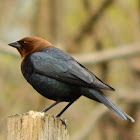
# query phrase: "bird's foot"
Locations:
[[63, 122]]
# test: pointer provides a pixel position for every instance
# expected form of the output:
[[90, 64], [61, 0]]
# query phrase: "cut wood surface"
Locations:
[[35, 126]]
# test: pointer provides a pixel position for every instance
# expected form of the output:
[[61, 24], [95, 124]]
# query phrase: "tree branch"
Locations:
[[94, 57], [87, 27], [90, 122]]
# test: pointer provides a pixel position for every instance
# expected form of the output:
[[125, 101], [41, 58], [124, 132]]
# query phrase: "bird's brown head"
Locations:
[[29, 45]]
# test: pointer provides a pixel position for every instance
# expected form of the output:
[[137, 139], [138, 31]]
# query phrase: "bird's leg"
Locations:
[[46, 109], [58, 115]]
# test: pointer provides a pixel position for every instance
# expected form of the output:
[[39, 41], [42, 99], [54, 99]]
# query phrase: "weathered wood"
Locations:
[[35, 126]]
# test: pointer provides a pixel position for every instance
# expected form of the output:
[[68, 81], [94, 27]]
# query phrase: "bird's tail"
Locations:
[[97, 95]]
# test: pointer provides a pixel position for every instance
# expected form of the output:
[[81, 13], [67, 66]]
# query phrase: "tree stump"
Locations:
[[35, 126]]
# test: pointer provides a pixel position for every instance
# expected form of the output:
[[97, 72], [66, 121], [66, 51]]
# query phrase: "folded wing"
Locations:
[[65, 69]]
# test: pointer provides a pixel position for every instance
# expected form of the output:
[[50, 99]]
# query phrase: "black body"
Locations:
[[58, 76]]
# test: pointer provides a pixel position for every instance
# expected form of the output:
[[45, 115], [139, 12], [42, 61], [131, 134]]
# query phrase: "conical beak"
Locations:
[[15, 45]]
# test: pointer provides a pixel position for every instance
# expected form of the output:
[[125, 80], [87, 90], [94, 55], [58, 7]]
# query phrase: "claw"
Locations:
[[64, 123]]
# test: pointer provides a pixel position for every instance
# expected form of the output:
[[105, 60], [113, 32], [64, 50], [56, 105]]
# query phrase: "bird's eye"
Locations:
[[24, 43]]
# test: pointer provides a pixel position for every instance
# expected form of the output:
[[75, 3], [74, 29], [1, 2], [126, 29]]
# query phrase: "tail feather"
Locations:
[[95, 93]]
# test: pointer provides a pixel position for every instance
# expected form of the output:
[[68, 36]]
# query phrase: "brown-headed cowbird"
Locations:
[[59, 77]]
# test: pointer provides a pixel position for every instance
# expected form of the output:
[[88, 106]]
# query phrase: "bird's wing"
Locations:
[[66, 69]]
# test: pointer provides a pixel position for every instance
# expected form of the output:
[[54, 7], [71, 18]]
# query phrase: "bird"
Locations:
[[58, 76]]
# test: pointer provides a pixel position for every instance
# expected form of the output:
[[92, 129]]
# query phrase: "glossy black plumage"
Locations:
[[58, 76]]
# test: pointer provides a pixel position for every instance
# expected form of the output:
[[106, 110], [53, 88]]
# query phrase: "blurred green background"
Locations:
[[78, 27]]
